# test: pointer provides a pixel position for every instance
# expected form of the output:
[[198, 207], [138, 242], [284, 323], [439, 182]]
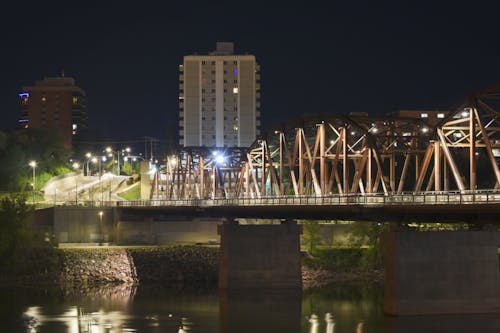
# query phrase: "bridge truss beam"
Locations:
[[329, 155]]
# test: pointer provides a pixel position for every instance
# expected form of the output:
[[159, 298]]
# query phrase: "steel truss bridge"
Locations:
[[345, 158]]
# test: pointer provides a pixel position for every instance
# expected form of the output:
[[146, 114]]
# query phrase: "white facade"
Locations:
[[219, 99]]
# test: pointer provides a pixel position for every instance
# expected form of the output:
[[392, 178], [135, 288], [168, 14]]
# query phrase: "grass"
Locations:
[[134, 193]]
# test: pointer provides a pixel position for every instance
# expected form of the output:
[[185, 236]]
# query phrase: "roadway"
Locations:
[[74, 187]]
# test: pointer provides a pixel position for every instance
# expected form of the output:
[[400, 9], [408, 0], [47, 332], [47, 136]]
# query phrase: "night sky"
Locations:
[[315, 58]]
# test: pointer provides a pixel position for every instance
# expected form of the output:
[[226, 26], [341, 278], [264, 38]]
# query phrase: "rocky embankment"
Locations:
[[97, 266], [317, 277], [174, 265]]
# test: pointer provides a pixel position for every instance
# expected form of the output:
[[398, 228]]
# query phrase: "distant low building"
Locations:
[[54, 103], [430, 117]]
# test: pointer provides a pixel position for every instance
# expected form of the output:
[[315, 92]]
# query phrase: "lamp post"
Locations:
[[101, 235], [111, 153], [132, 159], [95, 160], [76, 166], [89, 156], [33, 164]]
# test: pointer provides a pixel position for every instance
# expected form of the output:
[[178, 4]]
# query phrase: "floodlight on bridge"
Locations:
[[220, 159]]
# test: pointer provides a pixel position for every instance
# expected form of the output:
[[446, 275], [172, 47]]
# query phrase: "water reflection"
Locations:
[[465, 323], [119, 308], [330, 323], [150, 308], [260, 311], [342, 308]]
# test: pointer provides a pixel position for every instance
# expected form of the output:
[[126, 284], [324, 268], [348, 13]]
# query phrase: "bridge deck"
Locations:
[[478, 207]]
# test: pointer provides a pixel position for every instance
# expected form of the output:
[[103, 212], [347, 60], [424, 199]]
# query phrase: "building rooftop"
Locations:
[[223, 48]]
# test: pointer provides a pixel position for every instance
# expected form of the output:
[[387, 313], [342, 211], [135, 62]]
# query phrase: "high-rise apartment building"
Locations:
[[219, 99], [54, 103]]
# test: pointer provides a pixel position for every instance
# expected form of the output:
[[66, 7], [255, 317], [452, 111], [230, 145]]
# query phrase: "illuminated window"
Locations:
[[75, 99], [440, 115], [74, 126], [235, 90], [424, 115]]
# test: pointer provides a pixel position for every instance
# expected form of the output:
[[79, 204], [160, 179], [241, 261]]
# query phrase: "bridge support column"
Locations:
[[260, 256], [441, 272]]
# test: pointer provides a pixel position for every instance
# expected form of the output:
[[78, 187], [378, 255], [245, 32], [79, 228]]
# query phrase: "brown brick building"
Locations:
[[54, 103]]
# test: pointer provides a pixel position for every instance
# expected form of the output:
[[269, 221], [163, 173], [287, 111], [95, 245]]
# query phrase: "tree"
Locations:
[[15, 221], [311, 234], [17, 148], [369, 233]]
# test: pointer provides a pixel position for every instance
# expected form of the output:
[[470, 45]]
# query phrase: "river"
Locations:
[[149, 308]]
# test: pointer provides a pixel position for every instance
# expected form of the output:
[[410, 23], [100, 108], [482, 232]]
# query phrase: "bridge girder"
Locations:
[[327, 155]]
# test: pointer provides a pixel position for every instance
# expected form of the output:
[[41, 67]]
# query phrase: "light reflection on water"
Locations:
[[122, 308]]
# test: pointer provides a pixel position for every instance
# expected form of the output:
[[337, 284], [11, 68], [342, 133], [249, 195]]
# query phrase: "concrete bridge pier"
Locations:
[[259, 256], [441, 272]]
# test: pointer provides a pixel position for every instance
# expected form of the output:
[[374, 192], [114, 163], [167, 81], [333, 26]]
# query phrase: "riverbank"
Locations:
[[318, 277], [172, 265]]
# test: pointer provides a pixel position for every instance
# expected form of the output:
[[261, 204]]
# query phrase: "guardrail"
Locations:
[[426, 198]]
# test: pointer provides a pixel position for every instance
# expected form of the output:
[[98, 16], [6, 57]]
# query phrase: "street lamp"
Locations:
[[76, 166], [33, 164], [95, 160], [111, 153], [101, 236], [88, 155], [133, 159]]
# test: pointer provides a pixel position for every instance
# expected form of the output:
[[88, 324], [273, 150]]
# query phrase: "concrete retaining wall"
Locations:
[[83, 225], [167, 232]]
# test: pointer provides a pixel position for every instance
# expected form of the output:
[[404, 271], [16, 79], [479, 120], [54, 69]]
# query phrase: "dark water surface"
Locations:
[[122, 308]]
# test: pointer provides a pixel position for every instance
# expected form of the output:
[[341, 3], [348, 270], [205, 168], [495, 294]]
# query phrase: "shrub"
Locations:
[[339, 258]]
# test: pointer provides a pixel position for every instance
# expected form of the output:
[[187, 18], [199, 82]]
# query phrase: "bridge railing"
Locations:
[[368, 199], [427, 198]]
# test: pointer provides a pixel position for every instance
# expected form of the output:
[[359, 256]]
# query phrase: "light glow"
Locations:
[[220, 159]]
